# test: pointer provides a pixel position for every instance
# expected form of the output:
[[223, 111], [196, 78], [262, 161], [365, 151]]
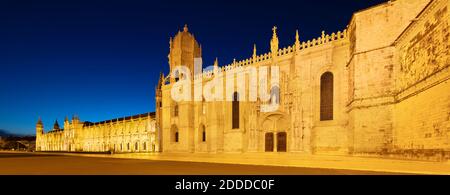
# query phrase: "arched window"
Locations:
[[203, 106], [203, 133], [326, 96], [144, 145], [174, 133], [235, 111], [175, 110], [136, 146]]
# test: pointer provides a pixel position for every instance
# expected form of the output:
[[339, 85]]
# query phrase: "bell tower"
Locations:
[[158, 112], [39, 127], [183, 50], [39, 133]]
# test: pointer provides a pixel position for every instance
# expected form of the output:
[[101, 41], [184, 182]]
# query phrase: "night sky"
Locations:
[[102, 59]]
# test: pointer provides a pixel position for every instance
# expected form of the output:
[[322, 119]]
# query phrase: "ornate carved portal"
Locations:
[[280, 142], [275, 126]]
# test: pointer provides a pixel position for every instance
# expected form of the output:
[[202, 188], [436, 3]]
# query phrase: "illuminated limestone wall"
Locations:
[[389, 94], [312, 63], [372, 93], [129, 134], [367, 104], [301, 66], [422, 114]]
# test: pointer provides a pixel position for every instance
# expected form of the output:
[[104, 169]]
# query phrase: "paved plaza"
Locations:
[[61, 164]]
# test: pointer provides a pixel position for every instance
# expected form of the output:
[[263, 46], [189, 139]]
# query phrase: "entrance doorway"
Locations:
[[281, 142], [269, 142]]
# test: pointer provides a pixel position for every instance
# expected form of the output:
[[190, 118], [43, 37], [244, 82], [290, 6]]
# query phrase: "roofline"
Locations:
[[420, 14], [137, 116], [365, 9]]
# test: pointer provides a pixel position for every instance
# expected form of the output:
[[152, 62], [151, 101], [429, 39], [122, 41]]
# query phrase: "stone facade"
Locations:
[[422, 113], [381, 86], [128, 134]]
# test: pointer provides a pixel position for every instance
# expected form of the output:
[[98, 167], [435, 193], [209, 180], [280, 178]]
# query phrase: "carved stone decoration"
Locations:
[[422, 54]]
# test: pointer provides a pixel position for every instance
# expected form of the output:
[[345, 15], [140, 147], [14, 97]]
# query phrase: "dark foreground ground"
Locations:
[[44, 164]]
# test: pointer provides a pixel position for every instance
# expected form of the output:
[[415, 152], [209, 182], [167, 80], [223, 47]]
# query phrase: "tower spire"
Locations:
[[323, 37], [39, 127], [159, 86], [161, 80], [183, 52], [216, 64], [297, 41], [56, 125], [274, 42]]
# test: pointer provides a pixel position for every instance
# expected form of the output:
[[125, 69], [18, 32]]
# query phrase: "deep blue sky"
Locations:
[[101, 59]]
